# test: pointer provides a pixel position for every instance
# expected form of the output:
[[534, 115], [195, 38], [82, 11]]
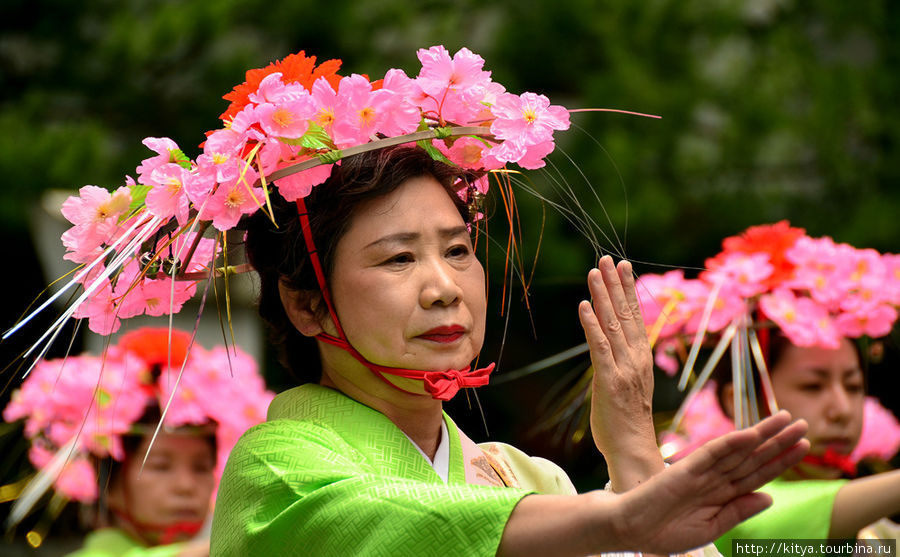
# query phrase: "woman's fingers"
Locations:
[[617, 309], [784, 440], [726, 453], [742, 461], [601, 351], [615, 290], [738, 510], [772, 469], [610, 321], [635, 330]]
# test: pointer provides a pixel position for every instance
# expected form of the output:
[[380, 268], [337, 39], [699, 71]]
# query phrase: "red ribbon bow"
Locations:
[[443, 385]]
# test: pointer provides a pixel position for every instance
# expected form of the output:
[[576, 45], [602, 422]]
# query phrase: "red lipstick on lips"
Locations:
[[444, 335]]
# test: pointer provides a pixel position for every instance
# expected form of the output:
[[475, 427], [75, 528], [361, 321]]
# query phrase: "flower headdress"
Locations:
[[814, 290], [142, 248], [82, 405]]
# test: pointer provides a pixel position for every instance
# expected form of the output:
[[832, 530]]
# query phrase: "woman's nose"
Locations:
[[185, 480], [439, 285], [839, 404]]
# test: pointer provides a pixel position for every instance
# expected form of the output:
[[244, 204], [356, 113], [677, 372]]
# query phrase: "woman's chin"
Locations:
[[411, 386], [439, 360], [447, 364]]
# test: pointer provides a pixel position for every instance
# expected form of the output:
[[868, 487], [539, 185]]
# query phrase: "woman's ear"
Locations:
[[726, 399], [302, 308]]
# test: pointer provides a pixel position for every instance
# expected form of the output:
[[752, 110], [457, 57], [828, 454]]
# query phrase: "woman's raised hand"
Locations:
[[622, 391]]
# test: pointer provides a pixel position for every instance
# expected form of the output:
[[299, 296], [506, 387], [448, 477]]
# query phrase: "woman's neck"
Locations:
[[418, 416]]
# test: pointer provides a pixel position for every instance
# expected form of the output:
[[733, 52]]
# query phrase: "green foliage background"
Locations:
[[771, 109]]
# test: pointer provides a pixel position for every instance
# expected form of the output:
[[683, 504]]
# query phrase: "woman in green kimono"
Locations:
[[92, 424], [789, 307], [158, 508], [359, 199], [361, 459], [821, 497]]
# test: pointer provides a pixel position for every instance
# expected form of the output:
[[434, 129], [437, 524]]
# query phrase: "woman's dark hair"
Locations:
[[279, 253]]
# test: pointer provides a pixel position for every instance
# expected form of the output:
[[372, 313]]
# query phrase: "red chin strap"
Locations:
[[161, 534], [832, 459], [441, 385]]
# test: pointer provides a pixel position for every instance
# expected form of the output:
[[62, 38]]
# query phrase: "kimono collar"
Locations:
[[373, 435]]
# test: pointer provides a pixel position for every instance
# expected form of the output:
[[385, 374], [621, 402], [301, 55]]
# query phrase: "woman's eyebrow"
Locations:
[[408, 237], [823, 373], [398, 238], [818, 372], [461, 230]]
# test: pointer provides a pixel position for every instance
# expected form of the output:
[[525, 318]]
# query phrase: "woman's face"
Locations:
[[825, 388], [176, 482], [407, 287]]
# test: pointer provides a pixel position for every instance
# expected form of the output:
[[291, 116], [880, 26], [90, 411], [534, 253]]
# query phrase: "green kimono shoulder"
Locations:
[[326, 475], [111, 542], [800, 510]]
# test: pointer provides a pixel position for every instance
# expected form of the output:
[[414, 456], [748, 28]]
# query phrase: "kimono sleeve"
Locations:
[[298, 489], [800, 510]]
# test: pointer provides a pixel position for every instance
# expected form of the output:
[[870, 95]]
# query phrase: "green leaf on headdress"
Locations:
[[178, 157], [103, 440], [317, 138], [103, 398], [481, 139], [331, 157], [433, 151], [138, 194], [442, 133], [426, 144]]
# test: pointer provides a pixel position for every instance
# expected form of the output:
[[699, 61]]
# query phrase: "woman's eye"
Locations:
[[159, 465], [203, 467], [811, 387], [458, 251], [399, 259], [854, 388]]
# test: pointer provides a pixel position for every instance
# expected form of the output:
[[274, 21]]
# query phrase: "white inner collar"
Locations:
[[441, 462]]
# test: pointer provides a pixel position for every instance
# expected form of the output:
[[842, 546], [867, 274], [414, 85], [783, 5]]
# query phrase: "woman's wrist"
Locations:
[[609, 527], [586, 524], [633, 464], [632, 455]]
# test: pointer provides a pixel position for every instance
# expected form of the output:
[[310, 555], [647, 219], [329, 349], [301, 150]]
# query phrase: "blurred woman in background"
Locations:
[[92, 422], [788, 308]]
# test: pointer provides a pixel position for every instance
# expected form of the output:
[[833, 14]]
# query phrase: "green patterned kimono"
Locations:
[[800, 510], [326, 475]]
